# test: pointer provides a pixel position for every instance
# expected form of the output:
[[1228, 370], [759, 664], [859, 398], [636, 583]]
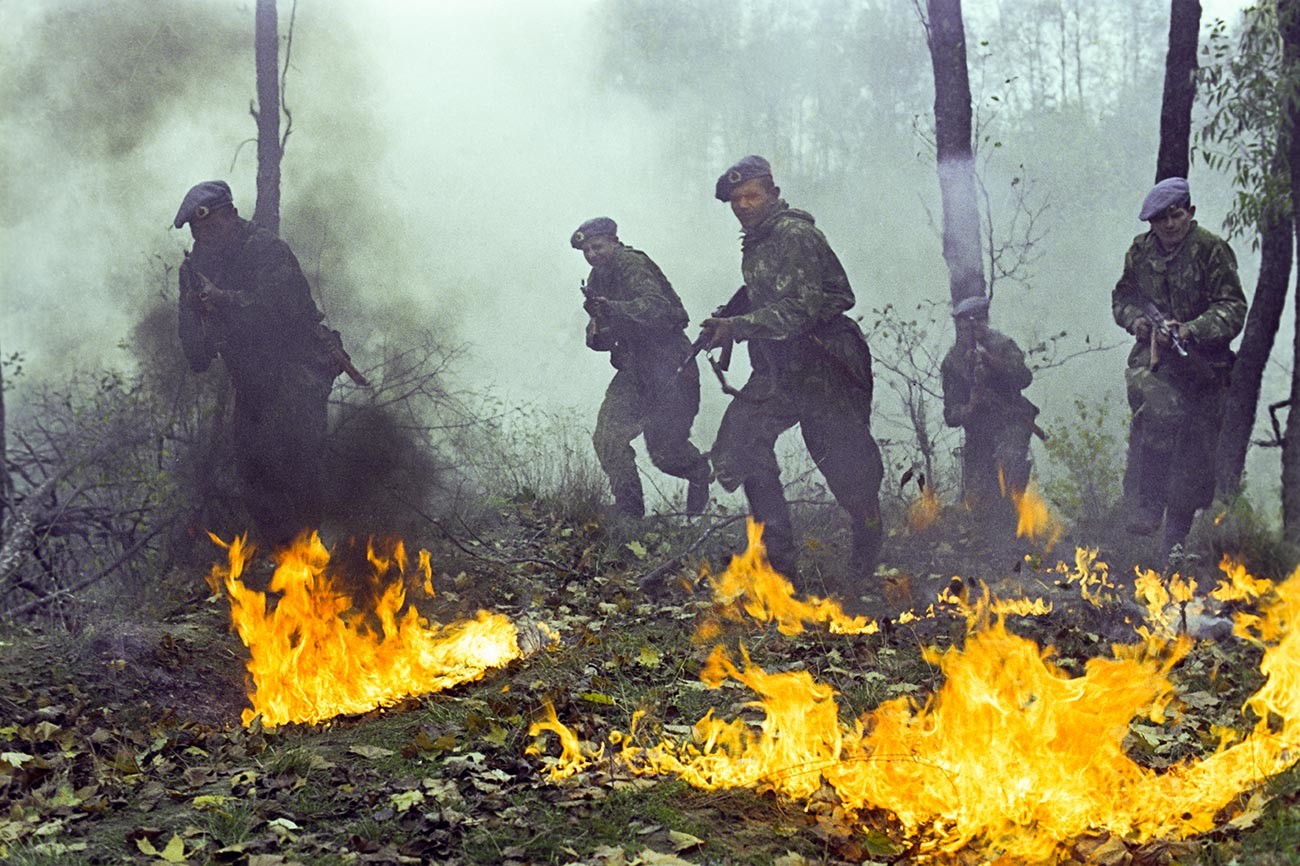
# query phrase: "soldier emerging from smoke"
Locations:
[[811, 367], [1181, 298], [638, 318], [243, 296], [983, 375]]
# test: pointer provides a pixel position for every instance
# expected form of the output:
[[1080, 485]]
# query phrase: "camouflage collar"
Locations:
[[760, 232]]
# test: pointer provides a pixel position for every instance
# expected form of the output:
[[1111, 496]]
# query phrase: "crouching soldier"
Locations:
[[638, 318], [244, 297], [983, 376]]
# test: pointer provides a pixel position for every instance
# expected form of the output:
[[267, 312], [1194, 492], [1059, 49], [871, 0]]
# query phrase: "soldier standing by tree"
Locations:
[[983, 376], [638, 318], [1181, 298], [243, 296], [811, 367]]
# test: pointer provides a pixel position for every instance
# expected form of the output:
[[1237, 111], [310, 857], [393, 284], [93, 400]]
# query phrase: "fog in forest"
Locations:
[[442, 153]]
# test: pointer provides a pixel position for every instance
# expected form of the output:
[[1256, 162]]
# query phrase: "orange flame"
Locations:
[[1035, 520], [923, 511], [751, 585], [314, 655], [1013, 756]]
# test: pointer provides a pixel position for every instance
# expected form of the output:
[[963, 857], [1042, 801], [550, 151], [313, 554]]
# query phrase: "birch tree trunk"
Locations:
[[952, 125], [266, 47]]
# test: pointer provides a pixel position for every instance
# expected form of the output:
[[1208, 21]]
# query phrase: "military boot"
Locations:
[[1178, 522], [767, 504], [866, 550], [697, 494], [629, 501], [1152, 483]]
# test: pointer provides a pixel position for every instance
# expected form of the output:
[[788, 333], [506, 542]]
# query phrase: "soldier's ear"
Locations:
[[1191, 210], [776, 191]]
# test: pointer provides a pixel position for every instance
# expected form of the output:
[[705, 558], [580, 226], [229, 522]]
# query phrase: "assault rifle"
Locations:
[[1160, 327], [737, 305]]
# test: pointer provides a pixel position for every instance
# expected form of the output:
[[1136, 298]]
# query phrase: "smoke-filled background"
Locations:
[[442, 153]]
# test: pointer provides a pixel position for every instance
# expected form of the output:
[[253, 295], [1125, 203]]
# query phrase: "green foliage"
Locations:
[[1236, 530], [1245, 88], [1085, 460], [527, 454]]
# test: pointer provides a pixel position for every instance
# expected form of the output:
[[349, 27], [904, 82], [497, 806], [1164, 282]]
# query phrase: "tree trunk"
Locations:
[[6, 483], [1180, 89], [1174, 157], [266, 45], [1288, 13], [1266, 309], [952, 126]]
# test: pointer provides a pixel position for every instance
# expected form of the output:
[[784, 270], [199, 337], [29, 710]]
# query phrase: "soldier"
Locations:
[[811, 367], [638, 318], [983, 375], [244, 297], [1181, 299]]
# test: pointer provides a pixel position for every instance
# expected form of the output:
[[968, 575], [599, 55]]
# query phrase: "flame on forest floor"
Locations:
[[1034, 520], [751, 586], [315, 653], [1013, 757], [924, 510]]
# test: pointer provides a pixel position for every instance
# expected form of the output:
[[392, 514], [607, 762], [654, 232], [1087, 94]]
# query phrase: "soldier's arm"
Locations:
[[281, 295], [650, 301], [1126, 299], [196, 342], [804, 299], [956, 389], [1006, 368], [1226, 314]]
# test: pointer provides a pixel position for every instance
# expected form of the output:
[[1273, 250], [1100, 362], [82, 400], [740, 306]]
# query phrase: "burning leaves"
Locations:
[[809, 715], [316, 653], [1013, 755]]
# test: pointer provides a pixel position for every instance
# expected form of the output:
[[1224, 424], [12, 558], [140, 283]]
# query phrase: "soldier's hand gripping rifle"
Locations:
[[737, 305], [1160, 327]]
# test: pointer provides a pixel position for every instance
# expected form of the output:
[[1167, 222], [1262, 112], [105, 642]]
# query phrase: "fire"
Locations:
[[316, 654], [1035, 520], [1013, 757], [924, 510], [751, 586]]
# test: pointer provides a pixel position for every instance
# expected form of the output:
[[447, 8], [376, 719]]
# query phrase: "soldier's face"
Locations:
[[599, 249], [752, 200], [213, 228], [1172, 224]]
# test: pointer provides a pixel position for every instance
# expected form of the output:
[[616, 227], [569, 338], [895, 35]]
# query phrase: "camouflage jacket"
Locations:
[[797, 295], [268, 327], [991, 388], [642, 325], [1196, 283]]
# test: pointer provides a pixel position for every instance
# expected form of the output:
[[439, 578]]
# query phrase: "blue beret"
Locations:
[[975, 307], [203, 199], [593, 227], [1164, 195], [747, 169]]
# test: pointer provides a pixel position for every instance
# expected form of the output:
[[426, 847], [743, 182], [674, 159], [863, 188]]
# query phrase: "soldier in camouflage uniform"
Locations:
[[244, 297], [638, 318], [1179, 293], [811, 367], [983, 375]]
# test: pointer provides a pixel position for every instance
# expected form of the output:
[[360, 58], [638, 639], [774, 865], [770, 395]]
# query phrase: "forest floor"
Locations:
[[123, 742]]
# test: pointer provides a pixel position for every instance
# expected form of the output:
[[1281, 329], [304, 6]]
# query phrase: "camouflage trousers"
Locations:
[[662, 405], [1176, 423], [279, 439], [834, 418], [993, 456]]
